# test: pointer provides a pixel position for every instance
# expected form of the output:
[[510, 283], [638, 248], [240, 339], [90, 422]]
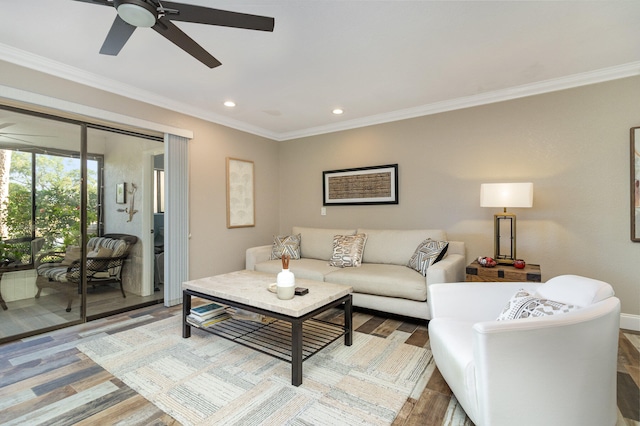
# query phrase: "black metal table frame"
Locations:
[[296, 324]]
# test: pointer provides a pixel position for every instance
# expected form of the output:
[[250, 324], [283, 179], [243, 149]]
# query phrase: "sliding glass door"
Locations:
[[78, 213], [40, 206]]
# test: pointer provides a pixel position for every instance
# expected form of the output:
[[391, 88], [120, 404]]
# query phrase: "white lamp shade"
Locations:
[[506, 195]]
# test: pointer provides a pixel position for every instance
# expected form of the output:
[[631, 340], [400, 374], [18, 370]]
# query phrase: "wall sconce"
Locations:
[[505, 195]]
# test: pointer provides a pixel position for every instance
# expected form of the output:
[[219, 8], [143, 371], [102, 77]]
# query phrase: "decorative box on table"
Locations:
[[478, 273]]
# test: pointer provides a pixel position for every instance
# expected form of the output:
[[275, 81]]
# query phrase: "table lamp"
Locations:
[[505, 195]]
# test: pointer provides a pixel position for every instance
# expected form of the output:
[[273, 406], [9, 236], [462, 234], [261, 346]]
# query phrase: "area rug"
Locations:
[[205, 379]]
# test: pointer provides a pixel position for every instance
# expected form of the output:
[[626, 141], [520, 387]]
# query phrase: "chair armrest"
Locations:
[[478, 301], [49, 257], [256, 255]]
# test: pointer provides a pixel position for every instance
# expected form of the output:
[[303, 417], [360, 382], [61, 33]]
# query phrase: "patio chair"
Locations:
[[105, 258]]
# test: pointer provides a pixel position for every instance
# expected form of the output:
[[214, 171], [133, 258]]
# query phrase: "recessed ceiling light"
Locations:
[[337, 111], [230, 104]]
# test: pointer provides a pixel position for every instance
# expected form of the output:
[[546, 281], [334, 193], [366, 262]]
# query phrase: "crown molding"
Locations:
[[58, 69], [582, 79]]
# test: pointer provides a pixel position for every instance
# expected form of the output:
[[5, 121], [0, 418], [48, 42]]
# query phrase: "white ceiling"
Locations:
[[378, 60]]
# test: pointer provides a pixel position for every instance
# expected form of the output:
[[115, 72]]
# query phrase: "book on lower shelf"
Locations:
[[207, 322], [207, 311], [242, 315]]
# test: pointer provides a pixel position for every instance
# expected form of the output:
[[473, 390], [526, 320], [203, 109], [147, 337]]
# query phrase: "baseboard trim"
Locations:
[[630, 322]]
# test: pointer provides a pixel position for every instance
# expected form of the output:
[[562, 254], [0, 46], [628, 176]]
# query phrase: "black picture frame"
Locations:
[[360, 186]]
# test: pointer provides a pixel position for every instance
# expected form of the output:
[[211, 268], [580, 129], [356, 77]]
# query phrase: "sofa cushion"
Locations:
[[317, 243], [427, 253], [285, 244], [53, 271], [383, 280], [524, 305], [310, 269], [395, 246], [347, 250], [575, 290]]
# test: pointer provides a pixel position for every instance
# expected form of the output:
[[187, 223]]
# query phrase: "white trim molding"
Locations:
[[630, 322]]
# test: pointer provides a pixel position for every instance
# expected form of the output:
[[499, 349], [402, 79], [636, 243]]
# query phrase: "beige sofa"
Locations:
[[383, 281]]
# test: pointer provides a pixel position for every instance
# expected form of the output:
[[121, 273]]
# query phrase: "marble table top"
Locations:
[[252, 288]]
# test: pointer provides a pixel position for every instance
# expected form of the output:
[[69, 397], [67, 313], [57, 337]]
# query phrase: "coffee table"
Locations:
[[295, 335]]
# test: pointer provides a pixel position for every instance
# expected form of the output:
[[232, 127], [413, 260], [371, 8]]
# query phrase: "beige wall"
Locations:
[[573, 145], [213, 248]]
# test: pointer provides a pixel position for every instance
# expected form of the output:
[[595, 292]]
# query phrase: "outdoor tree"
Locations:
[[5, 167], [57, 198]]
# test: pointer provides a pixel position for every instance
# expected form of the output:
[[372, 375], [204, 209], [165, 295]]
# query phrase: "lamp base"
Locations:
[[505, 238]]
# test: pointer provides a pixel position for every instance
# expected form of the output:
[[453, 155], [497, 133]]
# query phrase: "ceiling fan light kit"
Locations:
[[136, 13], [159, 15]]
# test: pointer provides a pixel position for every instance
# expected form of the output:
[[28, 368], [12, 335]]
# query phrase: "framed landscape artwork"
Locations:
[[365, 185], [121, 193], [635, 184], [240, 193]]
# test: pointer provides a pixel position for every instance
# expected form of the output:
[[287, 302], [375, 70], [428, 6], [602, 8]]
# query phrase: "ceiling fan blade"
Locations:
[[26, 134], [186, 43], [118, 35], [15, 139], [224, 18]]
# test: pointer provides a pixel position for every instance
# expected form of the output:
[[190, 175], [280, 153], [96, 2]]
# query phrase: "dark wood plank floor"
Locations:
[[46, 380]]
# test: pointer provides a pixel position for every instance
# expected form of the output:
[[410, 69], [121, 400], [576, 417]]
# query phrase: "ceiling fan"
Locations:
[[158, 14]]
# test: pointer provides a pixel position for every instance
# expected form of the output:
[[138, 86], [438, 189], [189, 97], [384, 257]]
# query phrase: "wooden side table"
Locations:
[[478, 273]]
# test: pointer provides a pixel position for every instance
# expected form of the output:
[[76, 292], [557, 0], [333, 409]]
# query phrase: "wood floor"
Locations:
[[45, 380]]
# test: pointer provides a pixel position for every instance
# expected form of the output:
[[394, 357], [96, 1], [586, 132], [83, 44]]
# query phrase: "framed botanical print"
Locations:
[[240, 193]]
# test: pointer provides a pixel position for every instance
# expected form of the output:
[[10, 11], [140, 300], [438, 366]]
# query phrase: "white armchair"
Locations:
[[547, 370]]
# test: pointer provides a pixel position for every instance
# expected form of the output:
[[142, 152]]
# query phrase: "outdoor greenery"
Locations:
[[57, 197]]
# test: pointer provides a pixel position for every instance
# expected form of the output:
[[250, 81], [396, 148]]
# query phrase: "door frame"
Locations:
[[147, 221]]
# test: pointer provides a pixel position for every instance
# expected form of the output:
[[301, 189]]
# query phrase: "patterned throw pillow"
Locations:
[[427, 253], [348, 250], [524, 305], [285, 244]]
